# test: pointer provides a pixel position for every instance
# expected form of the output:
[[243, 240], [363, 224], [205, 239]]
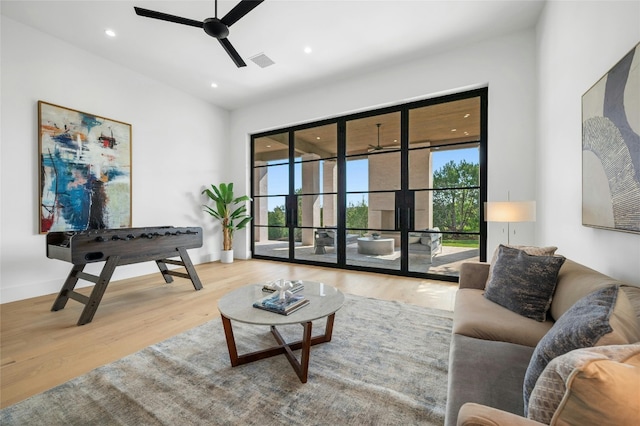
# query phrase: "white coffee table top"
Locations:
[[237, 305]]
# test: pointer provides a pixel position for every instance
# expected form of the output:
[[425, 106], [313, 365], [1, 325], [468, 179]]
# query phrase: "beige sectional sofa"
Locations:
[[494, 348]]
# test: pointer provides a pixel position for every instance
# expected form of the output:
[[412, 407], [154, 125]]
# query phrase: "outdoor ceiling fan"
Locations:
[[379, 147], [217, 28]]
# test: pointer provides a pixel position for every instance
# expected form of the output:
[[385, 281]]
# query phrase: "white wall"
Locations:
[[176, 143], [578, 42], [506, 65], [535, 86]]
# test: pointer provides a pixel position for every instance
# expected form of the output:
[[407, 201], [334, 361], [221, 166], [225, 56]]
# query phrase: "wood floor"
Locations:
[[41, 349]]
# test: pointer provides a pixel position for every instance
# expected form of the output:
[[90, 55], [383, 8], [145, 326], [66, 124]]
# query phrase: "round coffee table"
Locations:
[[237, 305]]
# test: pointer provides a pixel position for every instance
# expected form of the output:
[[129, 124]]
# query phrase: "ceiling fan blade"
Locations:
[[166, 17], [226, 44], [241, 9]]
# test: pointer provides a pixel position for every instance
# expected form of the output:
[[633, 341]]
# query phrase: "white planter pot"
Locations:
[[226, 256]]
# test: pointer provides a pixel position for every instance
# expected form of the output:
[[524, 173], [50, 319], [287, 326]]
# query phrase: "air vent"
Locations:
[[262, 60]]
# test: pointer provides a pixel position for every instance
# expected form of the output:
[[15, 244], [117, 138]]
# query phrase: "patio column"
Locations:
[[310, 203], [260, 207], [422, 177], [329, 184]]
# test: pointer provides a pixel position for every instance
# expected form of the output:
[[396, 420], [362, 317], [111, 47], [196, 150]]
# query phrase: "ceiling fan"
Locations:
[[379, 147], [217, 28]]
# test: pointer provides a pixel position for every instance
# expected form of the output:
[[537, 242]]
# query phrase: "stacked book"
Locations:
[[286, 306]]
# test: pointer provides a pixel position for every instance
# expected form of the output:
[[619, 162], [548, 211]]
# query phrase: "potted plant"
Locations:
[[231, 215]]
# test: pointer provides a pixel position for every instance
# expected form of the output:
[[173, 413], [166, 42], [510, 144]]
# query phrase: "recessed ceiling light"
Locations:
[[110, 32], [454, 130], [467, 115], [214, 85], [307, 50], [318, 138]]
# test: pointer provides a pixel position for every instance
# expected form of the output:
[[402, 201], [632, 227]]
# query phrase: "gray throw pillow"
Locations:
[[580, 327], [523, 283]]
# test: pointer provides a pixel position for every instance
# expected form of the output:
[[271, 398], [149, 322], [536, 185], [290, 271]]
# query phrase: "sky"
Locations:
[[357, 174]]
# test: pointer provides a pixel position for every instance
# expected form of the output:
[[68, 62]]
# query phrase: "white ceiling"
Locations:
[[346, 37]]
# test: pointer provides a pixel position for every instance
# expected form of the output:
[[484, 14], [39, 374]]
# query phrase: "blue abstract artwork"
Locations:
[[85, 170]]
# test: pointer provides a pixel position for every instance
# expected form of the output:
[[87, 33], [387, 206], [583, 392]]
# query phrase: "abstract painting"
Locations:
[[611, 148], [85, 170]]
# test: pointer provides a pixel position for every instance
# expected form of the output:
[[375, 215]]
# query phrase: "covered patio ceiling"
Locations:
[[440, 124]]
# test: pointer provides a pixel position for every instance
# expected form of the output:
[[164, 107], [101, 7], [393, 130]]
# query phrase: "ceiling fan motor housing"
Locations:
[[215, 28]]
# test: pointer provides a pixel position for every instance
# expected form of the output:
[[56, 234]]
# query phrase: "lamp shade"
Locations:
[[510, 211]]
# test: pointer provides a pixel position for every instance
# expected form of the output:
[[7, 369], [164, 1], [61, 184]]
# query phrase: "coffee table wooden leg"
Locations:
[[328, 330], [231, 341], [301, 368], [306, 350]]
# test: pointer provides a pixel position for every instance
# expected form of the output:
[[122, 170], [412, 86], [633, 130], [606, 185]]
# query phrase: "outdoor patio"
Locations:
[[445, 263]]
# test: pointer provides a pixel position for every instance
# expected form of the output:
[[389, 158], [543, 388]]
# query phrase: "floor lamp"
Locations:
[[510, 211]]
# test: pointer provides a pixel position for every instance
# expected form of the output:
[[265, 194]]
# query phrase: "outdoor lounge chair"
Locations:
[[327, 238], [428, 242]]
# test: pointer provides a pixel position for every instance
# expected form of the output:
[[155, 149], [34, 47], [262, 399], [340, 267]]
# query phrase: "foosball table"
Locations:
[[115, 247]]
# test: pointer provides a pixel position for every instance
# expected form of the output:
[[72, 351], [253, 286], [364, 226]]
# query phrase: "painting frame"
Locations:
[[85, 170], [611, 148]]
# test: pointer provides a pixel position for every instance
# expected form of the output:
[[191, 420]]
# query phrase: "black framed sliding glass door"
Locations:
[[271, 218], [444, 184], [295, 193], [396, 190], [373, 181]]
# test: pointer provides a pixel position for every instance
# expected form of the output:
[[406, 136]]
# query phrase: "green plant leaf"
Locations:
[[232, 217]]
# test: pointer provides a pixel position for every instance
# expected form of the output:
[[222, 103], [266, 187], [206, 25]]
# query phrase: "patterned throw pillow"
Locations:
[[532, 250], [523, 283], [602, 381], [580, 327]]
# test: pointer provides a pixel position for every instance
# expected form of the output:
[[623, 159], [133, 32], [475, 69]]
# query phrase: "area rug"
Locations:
[[386, 365]]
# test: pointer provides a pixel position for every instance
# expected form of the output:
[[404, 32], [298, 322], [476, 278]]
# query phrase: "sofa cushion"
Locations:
[[472, 414], [624, 322], [485, 372], [633, 293], [599, 385], [473, 274], [574, 282], [523, 283], [476, 316], [583, 325]]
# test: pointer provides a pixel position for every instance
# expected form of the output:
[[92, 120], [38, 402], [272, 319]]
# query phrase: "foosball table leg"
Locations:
[[191, 270], [164, 271], [67, 288], [98, 290], [186, 263]]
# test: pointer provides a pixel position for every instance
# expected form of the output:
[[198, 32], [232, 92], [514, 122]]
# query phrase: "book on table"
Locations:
[[286, 306]]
